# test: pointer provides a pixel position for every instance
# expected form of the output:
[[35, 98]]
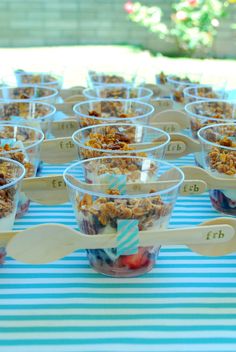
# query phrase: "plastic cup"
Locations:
[[95, 78], [28, 93], [206, 112], [219, 156], [34, 114], [121, 139], [98, 212], [47, 79], [203, 92], [95, 112], [118, 91], [177, 86], [11, 175], [21, 143]]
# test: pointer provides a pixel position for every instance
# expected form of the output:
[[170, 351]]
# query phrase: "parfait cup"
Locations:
[[97, 78], [118, 91], [127, 190], [11, 175], [206, 112], [204, 92], [47, 79], [29, 93], [100, 111], [121, 139], [177, 86], [218, 143], [21, 143], [31, 113]]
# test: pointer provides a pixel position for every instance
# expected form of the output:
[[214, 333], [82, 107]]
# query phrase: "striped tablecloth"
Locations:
[[187, 303]]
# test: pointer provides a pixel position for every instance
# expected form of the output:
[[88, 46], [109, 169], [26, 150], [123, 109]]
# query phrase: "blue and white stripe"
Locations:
[[187, 303]]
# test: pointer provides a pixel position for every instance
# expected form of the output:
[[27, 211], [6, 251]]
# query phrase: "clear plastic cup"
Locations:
[[218, 143], [11, 175], [28, 93], [206, 112], [99, 211], [95, 78], [47, 79], [178, 84], [34, 114], [95, 112], [118, 91], [121, 139], [21, 143], [203, 92]]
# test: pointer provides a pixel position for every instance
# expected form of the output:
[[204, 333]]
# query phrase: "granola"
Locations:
[[178, 85], [105, 78], [131, 167], [110, 138], [209, 113], [106, 110], [15, 154], [23, 109], [27, 93], [7, 194]]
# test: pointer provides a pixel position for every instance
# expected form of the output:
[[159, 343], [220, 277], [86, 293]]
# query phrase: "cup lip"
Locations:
[[28, 73], [112, 118], [29, 102], [87, 92], [19, 178], [187, 89], [170, 79], [54, 93], [204, 140], [120, 151], [141, 195], [34, 144], [211, 101]]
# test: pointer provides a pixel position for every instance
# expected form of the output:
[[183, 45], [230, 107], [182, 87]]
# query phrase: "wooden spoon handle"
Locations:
[[49, 242], [60, 150], [170, 120], [65, 128]]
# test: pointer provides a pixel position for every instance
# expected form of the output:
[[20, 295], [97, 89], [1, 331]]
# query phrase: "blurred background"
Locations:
[[76, 35]]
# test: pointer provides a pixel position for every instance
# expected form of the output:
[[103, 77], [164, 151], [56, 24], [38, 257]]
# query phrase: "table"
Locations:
[[187, 303]]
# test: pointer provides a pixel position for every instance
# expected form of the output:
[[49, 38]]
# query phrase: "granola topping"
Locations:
[[108, 210], [6, 195]]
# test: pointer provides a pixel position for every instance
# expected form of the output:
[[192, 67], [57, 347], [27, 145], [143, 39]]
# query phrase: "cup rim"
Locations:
[[187, 89], [191, 114], [141, 195], [34, 144], [170, 79], [28, 73], [112, 118], [19, 178], [120, 151], [204, 140], [86, 91], [54, 92], [50, 106]]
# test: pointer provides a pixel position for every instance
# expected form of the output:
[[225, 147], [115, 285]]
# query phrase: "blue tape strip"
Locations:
[[127, 238]]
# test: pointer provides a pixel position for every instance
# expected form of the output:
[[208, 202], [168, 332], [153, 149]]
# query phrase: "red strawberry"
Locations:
[[135, 261]]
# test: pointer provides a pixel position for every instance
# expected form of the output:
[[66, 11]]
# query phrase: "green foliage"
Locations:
[[192, 24]]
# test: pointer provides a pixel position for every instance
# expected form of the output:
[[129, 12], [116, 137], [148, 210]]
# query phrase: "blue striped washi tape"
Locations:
[[127, 239]]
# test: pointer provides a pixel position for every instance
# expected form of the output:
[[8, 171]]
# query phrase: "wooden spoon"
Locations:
[[50, 242], [170, 120], [51, 190]]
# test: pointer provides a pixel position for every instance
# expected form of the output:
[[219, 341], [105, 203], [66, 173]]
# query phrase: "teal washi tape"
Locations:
[[116, 182], [10, 141], [128, 237]]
